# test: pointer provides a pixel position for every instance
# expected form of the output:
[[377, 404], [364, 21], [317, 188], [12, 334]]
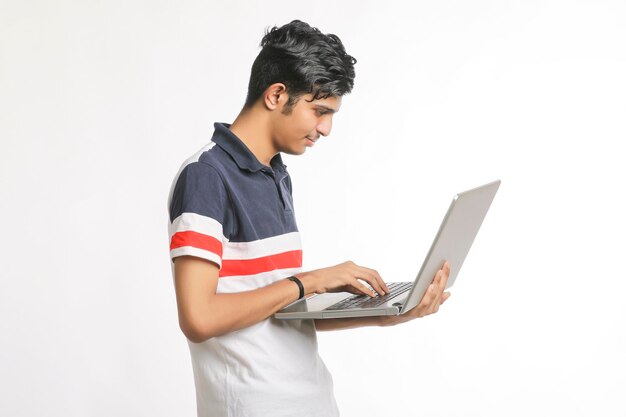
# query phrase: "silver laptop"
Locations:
[[452, 243]]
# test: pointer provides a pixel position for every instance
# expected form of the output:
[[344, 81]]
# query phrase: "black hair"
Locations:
[[305, 60]]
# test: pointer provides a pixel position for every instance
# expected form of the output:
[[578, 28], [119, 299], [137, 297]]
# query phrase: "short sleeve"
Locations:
[[198, 209]]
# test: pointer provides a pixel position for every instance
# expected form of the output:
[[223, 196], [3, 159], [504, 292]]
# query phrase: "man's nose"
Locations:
[[324, 127]]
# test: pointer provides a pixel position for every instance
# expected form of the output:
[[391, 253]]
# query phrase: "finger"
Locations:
[[367, 276], [437, 289], [437, 277], [441, 280], [358, 287], [434, 305], [429, 300], [363, 288], [438, 298], [446, 275], [437, 305], [378, 278], [441, 298], [428, 297], [355, 286]]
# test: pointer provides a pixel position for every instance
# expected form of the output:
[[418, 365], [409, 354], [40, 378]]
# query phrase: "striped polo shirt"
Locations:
[[227, 207]]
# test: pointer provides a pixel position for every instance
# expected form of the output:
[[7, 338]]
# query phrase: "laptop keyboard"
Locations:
[[365, 301]]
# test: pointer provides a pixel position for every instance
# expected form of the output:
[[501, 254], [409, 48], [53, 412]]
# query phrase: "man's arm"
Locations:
[[202, 313], [430, 303]]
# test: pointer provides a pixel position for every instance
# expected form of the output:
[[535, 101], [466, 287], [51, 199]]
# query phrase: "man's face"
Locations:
[[308, 120]]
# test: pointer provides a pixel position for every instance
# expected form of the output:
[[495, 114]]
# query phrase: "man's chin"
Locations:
[[294, 151]]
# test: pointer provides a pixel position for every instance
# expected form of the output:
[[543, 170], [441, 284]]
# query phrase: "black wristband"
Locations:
[[299, 283]]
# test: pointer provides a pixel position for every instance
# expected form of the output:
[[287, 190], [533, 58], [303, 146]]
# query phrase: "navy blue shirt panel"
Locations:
[[228, 183], [200, 190]]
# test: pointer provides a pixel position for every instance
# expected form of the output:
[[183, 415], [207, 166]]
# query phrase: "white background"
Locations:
[[100, 102]]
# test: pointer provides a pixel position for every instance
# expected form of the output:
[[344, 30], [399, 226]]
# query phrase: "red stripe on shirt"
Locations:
[[196, 240], [285, 260]]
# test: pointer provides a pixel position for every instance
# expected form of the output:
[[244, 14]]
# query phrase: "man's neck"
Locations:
[[252, 127]]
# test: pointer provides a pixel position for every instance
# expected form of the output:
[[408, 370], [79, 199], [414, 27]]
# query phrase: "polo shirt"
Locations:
[[225, 206]]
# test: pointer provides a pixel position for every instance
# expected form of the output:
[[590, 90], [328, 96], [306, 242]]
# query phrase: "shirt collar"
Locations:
[[240, 153]]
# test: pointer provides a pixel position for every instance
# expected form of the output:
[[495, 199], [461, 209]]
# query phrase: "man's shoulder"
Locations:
[[209, 159], [203, 167]]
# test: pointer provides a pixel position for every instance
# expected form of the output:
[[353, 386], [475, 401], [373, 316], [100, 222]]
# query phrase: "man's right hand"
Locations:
[[203, 313], [343, 277]]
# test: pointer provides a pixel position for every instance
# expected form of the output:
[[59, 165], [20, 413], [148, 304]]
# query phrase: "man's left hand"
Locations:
[[434, 297]]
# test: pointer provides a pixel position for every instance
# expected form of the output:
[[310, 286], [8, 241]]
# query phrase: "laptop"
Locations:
[[452, 243]]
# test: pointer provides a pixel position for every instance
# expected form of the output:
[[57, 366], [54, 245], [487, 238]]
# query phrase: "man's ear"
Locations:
[[275, 96]]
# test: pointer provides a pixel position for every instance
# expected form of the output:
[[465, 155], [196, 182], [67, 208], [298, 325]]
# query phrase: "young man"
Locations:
[[236, 249]]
